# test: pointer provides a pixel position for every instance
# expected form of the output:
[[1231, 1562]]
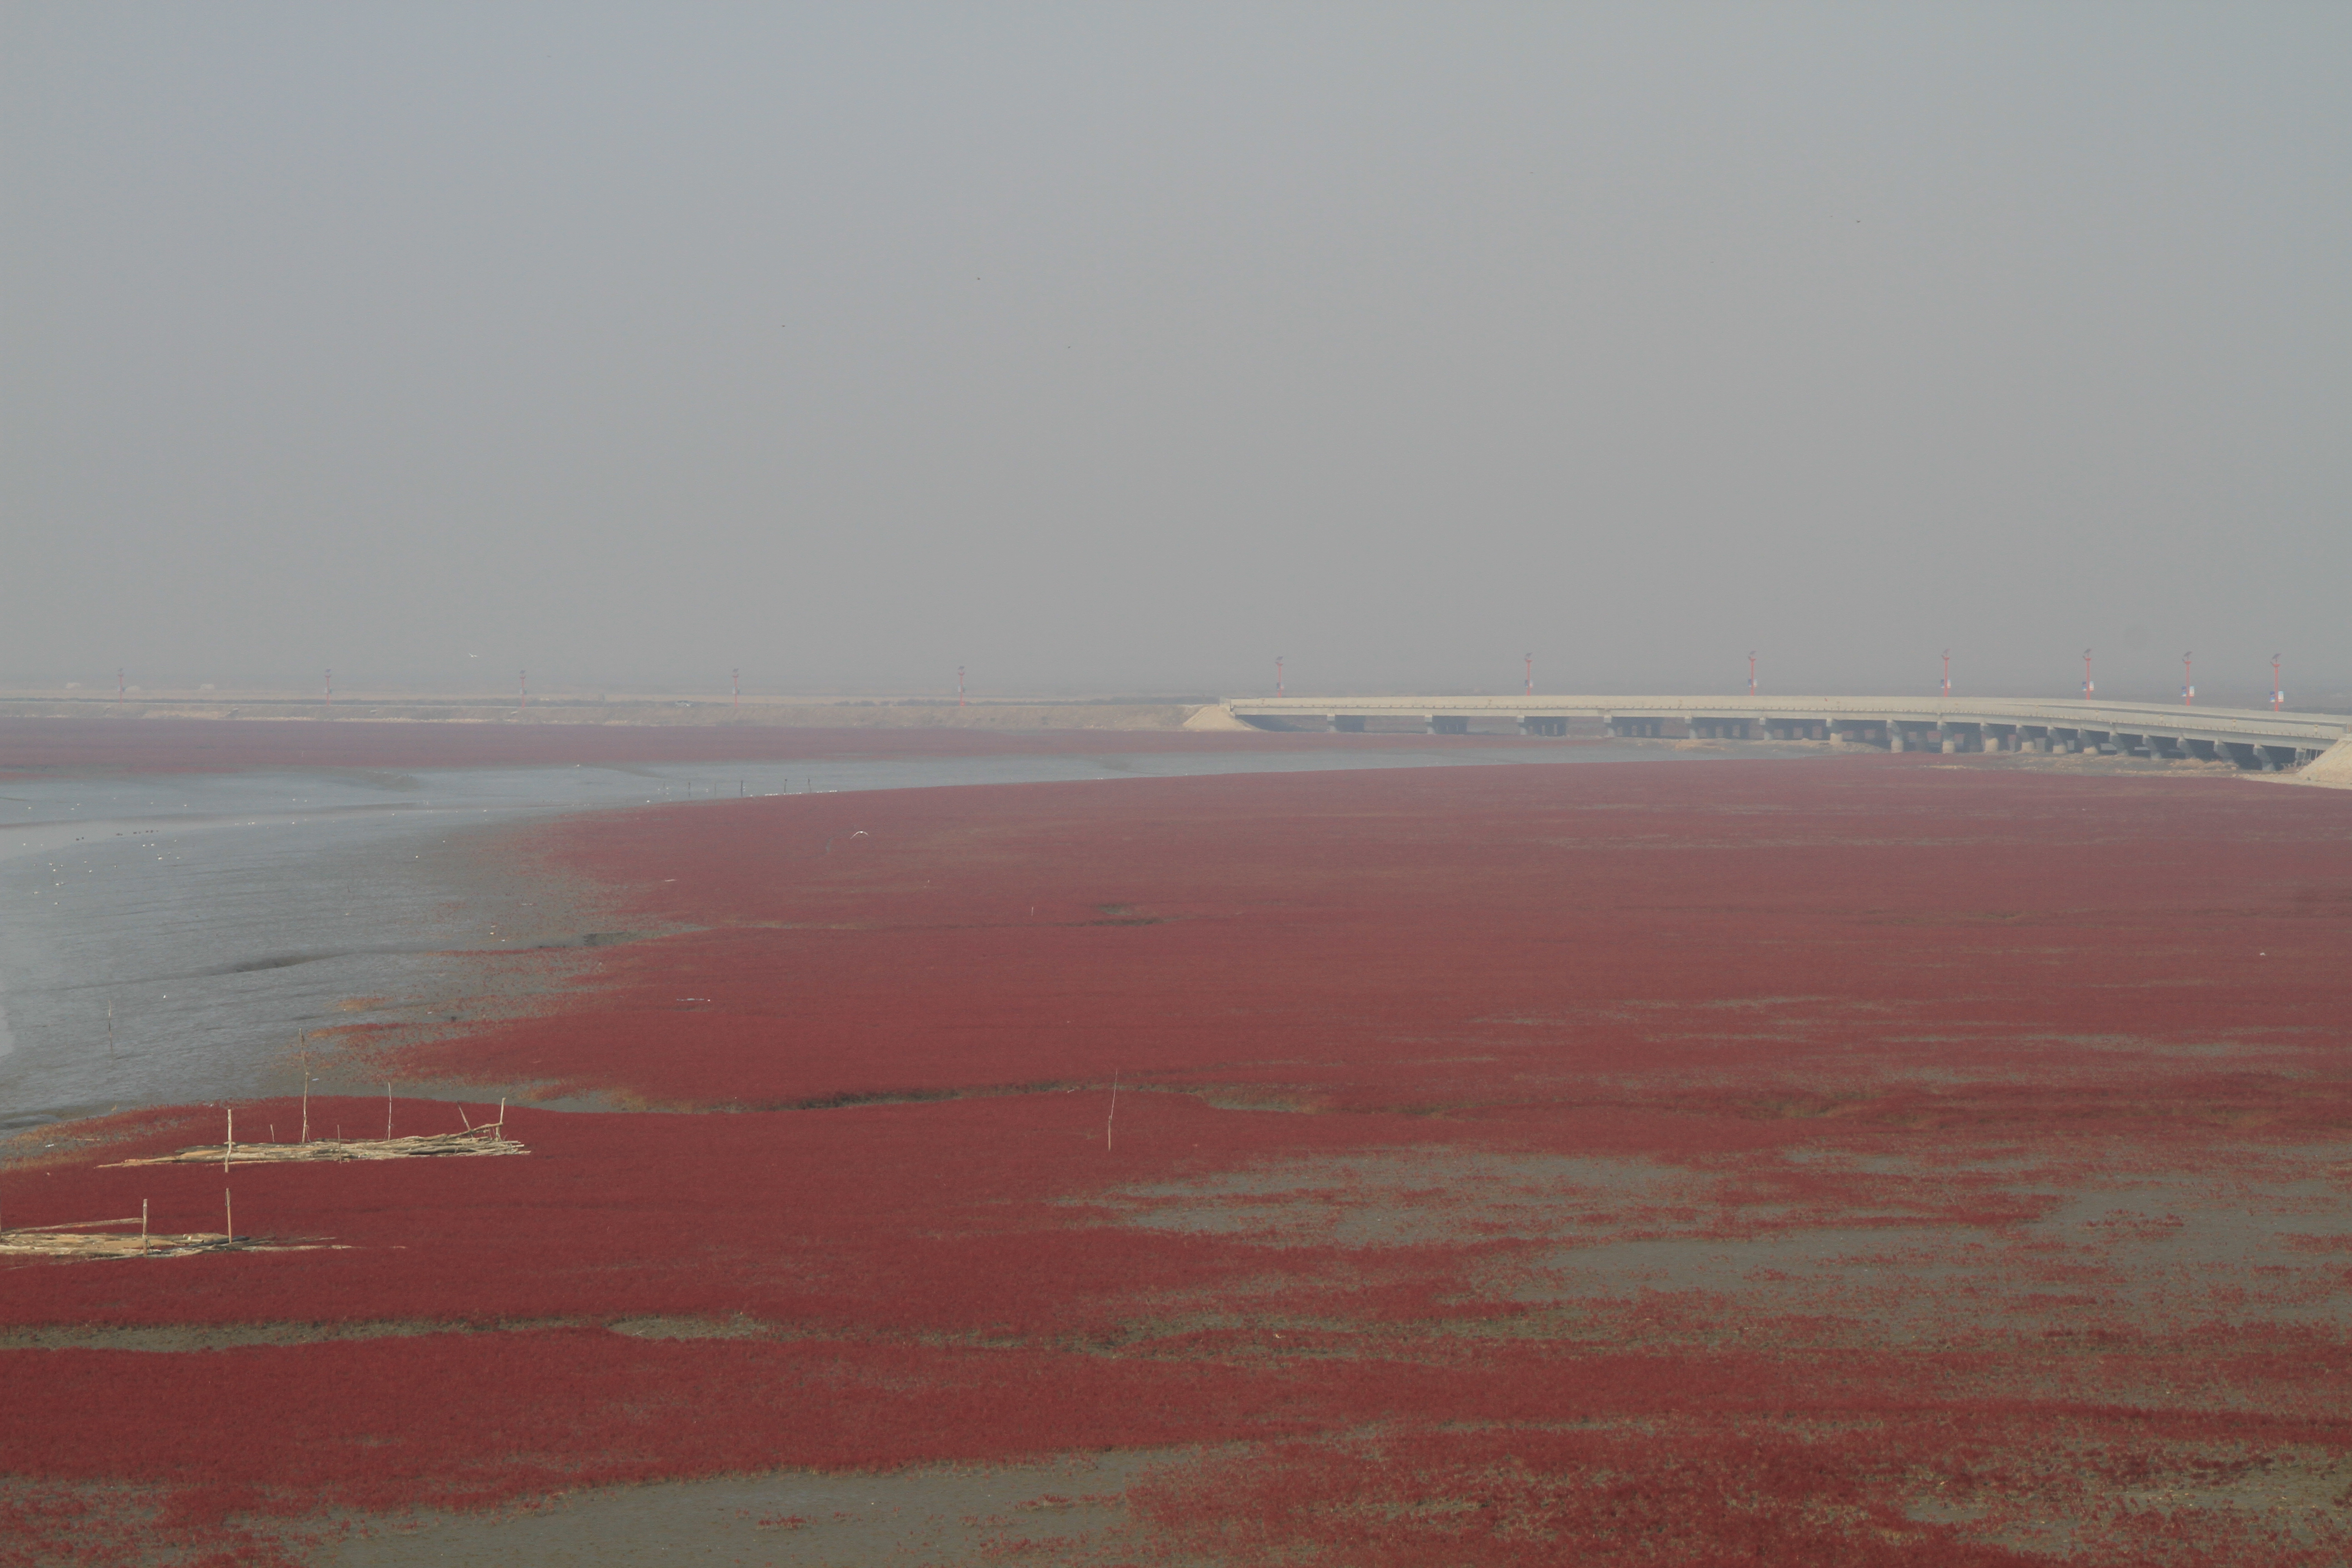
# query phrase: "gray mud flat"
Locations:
[[1066, 1510]]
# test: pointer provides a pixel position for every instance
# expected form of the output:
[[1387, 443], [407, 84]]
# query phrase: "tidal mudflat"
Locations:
[[1868, 1161]]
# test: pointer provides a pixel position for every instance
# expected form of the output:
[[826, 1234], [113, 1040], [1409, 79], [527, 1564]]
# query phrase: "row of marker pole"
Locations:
[[229, 1151]]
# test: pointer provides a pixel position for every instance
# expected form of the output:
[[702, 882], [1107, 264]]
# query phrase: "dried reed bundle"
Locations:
[[485, 1138]]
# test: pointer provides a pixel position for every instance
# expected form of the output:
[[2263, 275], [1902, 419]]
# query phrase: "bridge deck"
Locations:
[[2214, 726]]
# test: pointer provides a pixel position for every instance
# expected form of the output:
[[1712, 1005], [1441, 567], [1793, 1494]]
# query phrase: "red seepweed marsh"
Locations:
[[1852, 1163]]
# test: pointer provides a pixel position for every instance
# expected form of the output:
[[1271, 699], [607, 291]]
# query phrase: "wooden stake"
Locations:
[[501, 1133], [229, 1147], [228, 1216], [142, 1226], [1114, 1112], [387, 1113], [306, 1097]]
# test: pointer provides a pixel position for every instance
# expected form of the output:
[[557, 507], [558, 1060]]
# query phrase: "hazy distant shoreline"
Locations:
[[825, 712]]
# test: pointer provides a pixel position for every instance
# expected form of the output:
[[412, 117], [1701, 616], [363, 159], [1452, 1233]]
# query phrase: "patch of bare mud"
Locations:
[[2073, 1502], [1064, 1511], [2079, 1238]]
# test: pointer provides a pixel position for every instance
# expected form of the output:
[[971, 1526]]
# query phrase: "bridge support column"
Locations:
[[1347, 723]]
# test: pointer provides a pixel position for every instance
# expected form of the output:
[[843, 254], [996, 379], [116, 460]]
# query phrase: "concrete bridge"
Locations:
[[2252, 738]]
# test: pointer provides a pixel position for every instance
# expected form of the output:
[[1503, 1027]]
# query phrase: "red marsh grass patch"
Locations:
[[1855, 1163], [1463, 939]]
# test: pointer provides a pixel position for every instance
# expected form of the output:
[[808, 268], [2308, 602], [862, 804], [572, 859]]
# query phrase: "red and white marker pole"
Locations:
[[2087, 685], [331, 688], [2188, 681], [1751, 672], [119, 688], [1531, 675], [1278, 675], [522, 684], [1947, 672], [2278, 688]]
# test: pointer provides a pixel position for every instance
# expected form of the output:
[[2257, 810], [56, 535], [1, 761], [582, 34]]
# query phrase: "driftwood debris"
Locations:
[[50, 1242], [486, 1139], [78, 1246]]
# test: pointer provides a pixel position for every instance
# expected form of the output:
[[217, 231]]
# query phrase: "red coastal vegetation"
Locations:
[[1868, 1161]]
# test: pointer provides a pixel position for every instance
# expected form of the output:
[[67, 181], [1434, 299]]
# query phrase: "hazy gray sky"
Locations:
[[1107, 347]]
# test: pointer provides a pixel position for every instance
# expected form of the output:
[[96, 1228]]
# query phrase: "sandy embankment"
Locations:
[[2331, 769]]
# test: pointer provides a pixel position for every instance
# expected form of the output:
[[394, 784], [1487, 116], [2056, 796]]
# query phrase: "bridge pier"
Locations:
[[1556, 728], [1447, 724], [1347, 723]]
